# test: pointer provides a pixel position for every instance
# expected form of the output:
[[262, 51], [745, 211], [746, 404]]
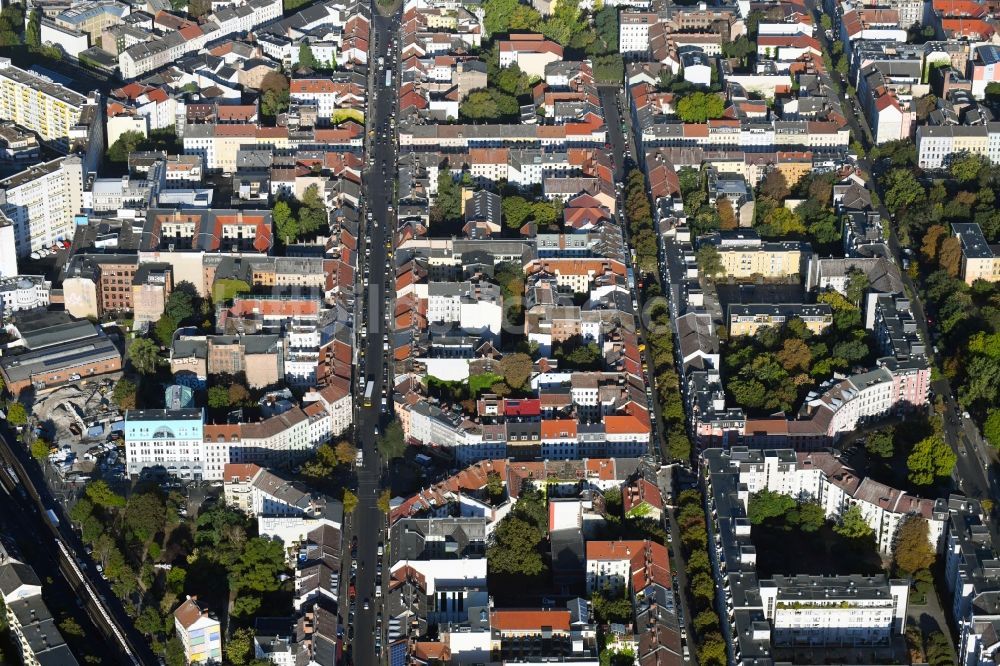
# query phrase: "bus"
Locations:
[[388, 78], [369, 391]]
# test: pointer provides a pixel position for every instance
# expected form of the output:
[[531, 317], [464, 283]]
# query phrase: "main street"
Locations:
[[368, 521]]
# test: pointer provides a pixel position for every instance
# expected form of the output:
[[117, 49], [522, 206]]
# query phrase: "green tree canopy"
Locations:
[[709, 260], [17, 415], [383, 502], [350, 501], [391, 444], [930, 460], [100, 494], [852, 524], [515, 549], [489, 104], [274, 94], [516, 211], [991, 428], [180, 305], [39, 449], [698, 107], [240, 647], [123, 394], [881, 443], [767, 505], [126, 144], [144, 355]]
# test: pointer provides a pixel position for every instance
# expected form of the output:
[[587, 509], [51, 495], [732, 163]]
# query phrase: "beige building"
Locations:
[[256, 356], [980, 260], [151, 288], [80, 297], [530, 52], [744, 256], [92, 18], [748, 319]]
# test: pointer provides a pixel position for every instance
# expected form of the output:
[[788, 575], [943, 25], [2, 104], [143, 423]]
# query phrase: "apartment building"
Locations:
[[530, 52], [42, 202], [475, 307], [41, 105], [833, 610], [338, 402], [980, 259], [820, 477], [612, 565], [936, 144], [771, 618], [748, 319], [171, 439], [160, 51], [179, 442], [32, 627], [92, 17], [290, 512], [972, 573], [200, 633], [530, 635], [329, 94], [151, 288], [744, 255], [895, 330], [115, 276]]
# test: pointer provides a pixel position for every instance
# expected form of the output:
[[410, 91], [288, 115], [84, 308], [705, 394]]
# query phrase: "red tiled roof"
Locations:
[[527, 620]]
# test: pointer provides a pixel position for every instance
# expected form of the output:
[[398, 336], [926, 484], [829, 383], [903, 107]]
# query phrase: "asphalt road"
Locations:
[[368, 521]]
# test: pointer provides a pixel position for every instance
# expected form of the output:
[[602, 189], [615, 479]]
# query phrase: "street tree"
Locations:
[[39, 449], [345, 452], [350, 501], [991, 428], [384, 499], [391, 444]]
